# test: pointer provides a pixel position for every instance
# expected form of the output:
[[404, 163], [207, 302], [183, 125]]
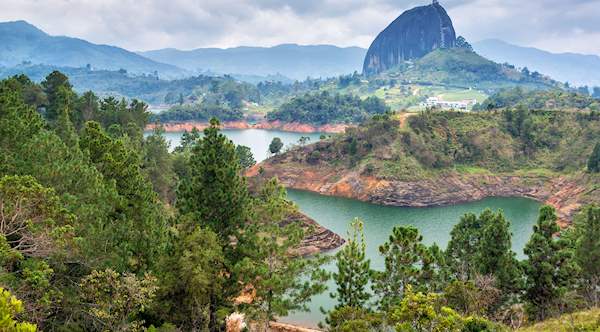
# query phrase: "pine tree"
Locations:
[[405, 258], [52, 86], [462, 248], [216, 193], [276, 145], [481, 245], [194, 279], [139, 230], [86, 109], [64, 127], [494, 254], [587, 253], [281, 281], [158, 164], [245, 156], [549, 269], [353, 270], [594, 161], [188, 140]]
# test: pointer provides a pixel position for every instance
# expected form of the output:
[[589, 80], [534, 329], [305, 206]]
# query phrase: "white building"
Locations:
[[457, 105]]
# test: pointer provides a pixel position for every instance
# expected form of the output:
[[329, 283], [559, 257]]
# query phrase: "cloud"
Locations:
[[151, 24]]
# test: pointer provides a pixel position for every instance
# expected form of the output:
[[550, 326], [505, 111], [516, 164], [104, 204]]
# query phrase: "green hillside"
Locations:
[[579, 321], [463, 68], [555, 99], [433, 142]]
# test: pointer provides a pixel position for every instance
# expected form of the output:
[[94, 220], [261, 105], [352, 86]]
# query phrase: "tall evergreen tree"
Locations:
[[140, 229], [549, 269], [158, 164], [406, 258], [462, 248], [594, 161], [281, 281], [188, 139], [587, 253], [193, 280], [353, 270], [64, 127], [216, 193], [481, 245], [52, 86], [494, 254], [86, 109]]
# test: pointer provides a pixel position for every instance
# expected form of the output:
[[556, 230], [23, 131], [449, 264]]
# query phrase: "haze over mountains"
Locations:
[[294, 61], [22, 42], [577, 69]]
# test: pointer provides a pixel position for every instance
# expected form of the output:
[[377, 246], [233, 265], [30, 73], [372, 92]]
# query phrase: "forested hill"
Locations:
[[553, 99], [325, 108], [464, 68], [438, 141], [149, 88], [22, 42]]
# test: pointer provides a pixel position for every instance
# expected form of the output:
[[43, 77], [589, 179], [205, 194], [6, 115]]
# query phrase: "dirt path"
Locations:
[[402, 117]]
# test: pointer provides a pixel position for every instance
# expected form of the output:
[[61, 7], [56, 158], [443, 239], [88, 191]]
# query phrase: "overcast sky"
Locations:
[[560, 26]]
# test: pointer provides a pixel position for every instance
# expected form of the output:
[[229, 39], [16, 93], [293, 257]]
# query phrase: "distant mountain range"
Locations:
[[577, 69], [22, 42], [290, 60]]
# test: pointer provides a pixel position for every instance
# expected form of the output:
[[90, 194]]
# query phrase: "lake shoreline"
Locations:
[[564, 193], [293, 127]]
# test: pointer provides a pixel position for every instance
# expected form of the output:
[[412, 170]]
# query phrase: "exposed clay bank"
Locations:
[[566, 193], [295, 127]]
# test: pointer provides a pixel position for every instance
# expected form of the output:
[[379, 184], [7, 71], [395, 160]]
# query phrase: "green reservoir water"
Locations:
[[336, 213], [434, 224], [257, 140]]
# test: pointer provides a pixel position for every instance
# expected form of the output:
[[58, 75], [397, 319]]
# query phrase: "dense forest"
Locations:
[[323, 108], [433, 141], [105, 229], [198, 112], [147, 87]]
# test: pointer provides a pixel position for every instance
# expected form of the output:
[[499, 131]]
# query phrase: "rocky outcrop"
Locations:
[[297, 127], [411, 36], [318, 238], [282, 327], [565, 193], [174, 127]]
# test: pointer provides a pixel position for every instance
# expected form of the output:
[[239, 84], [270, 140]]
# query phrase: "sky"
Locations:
[[558, 26]]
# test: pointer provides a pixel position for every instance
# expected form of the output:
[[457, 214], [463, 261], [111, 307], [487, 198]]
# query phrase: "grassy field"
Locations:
[[410, 96], [579, 321], [459, 95]]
